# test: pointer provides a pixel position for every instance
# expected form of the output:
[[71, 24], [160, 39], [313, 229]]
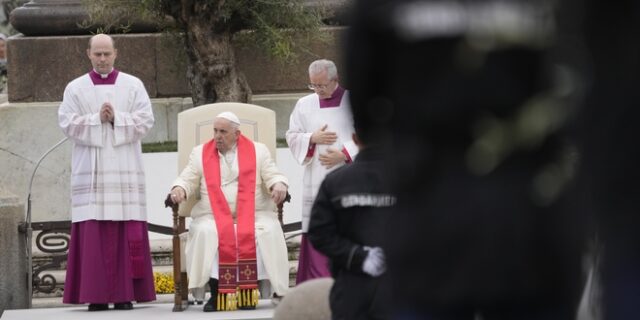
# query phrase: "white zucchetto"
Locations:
[[229, 116]]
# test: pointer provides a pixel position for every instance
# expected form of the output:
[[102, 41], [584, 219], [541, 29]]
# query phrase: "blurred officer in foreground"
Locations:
[[347, 224], [610, 150], [461, 92]]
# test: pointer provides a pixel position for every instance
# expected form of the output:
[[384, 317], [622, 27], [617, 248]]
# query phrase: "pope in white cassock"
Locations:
[[235, 238], [320, 139], [106, 113]]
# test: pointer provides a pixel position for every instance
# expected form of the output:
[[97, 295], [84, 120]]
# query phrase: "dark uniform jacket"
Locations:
[[350, 212]]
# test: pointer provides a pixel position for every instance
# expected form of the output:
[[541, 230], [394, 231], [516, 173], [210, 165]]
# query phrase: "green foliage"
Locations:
[[280, 27], [7, 7], [167, 146], [172, 146], [117, 16], [281, 143]]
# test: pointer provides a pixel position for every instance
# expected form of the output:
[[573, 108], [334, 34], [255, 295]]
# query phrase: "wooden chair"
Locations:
[[195, 126]]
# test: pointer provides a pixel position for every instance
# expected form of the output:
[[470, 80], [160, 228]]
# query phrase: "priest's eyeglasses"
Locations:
[[316, 86]]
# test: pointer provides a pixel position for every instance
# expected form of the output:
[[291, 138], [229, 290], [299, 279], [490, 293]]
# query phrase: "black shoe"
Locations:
[[210, 306], [275, 300], [98, 306], [123, 306]]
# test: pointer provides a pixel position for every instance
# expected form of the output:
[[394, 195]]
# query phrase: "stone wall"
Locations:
[[26, 132], [13, 265], [40, 67]]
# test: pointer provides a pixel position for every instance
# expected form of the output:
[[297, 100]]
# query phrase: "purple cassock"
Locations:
[[109, 262], [311, 263]]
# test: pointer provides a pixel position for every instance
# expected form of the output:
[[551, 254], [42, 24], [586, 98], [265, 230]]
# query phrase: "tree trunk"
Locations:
[[213, 71]]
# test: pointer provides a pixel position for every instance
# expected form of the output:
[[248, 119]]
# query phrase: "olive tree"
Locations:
[[208, 28]]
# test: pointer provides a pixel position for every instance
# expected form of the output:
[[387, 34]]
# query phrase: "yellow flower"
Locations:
[[163, 282]]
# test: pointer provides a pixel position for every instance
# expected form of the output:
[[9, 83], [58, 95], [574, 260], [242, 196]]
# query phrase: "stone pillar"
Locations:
[[13, 262]]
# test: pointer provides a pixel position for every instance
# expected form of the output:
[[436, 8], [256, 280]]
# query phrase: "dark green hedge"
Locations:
[[172, 146]]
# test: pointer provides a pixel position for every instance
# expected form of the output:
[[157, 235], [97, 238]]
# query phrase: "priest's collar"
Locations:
[[334, 100], [99, 78]]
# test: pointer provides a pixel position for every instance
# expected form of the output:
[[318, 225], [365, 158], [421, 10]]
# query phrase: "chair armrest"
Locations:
[[287, 198], [280, 205], [168, 202]]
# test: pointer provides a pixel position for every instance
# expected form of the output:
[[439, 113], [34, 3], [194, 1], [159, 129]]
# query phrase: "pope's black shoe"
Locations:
[[275, 300], [210, 306], [98, 306]]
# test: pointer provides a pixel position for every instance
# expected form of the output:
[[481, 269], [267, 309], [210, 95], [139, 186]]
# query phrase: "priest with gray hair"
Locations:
[[319, 137], [235, 240]]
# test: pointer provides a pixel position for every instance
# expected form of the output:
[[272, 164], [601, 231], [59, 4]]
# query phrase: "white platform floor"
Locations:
[[155, 311]]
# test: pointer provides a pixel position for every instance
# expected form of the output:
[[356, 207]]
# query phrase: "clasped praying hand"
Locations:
[[106, 113]]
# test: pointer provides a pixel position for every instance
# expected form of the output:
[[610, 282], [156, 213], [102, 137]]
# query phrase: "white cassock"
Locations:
[[307, 117], [107, 175], [202, 242]]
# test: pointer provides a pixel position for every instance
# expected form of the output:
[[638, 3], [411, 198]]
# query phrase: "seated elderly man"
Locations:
[[235, 238]]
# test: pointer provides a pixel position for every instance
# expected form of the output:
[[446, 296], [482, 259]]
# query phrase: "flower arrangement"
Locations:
[[163, 282]]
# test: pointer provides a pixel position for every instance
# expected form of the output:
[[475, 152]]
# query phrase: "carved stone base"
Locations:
[[59, 17], [40, 67]]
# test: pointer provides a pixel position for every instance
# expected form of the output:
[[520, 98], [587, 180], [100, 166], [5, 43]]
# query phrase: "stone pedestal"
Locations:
[[59, 17], [13, 264], [40, 67], [63, 17]]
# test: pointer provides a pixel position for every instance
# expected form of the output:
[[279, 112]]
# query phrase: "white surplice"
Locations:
[[202, 241], [107, 175], [306, 118]]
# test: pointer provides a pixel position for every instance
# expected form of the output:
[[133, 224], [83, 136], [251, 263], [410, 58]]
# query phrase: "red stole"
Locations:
[[237, 256]]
